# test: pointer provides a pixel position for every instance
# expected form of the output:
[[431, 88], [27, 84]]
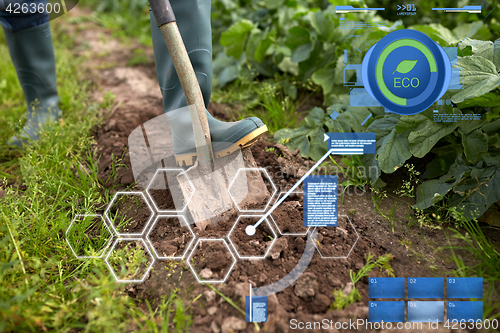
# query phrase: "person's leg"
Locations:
[[193, 19], [30, 46]]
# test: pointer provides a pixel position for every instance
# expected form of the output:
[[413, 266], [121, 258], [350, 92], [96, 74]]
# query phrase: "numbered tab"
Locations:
[[387, 311], [426, 287], [464, 287], [422, 311], [467, 311], [386, 287]]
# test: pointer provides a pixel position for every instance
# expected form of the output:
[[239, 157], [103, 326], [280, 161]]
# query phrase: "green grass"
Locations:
[[125, 19], [43, 287], [487, 262]]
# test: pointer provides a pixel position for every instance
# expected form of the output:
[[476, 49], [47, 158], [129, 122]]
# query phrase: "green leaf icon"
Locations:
[[405, 66]]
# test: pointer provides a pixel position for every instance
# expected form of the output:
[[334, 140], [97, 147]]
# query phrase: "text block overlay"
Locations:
[[321, 201], [352, 143], [256, 309]]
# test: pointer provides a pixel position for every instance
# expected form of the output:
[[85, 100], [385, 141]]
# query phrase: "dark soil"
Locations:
[[169, 236], [130, 213]]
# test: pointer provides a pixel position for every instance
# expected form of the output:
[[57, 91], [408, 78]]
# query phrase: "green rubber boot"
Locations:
[[193, 19], [32, 53]]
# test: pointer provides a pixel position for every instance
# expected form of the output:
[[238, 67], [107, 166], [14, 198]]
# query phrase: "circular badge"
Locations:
[[406, 72]]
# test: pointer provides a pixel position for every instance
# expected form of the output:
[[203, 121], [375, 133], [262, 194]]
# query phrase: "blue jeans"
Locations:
[[17, 22]]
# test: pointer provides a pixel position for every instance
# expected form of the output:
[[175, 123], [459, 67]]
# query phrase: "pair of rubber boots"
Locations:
[[32, 53], [193, 20]]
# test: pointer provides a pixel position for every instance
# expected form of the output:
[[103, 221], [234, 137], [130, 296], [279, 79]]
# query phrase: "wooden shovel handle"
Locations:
[[165, 19]]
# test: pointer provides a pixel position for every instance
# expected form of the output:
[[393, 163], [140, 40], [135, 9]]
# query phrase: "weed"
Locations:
[[409, 185], [487, 261], [383, 263]]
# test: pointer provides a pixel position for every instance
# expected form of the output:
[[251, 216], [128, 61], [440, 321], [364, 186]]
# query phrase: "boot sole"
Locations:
[[187, 160]]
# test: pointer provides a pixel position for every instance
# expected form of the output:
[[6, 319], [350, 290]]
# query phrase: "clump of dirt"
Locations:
[[336, 242], [169, 236], [212, 260], [255, 245], [288, 216]]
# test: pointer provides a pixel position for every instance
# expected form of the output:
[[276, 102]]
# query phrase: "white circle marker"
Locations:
[[250, 230]]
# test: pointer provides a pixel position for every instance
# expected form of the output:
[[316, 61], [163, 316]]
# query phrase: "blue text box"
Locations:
[[352, 143], [425, 287], [464, 287], [426, 311], [386, 287], [464, 311], [386, 311], [256, 309], [321, 201]]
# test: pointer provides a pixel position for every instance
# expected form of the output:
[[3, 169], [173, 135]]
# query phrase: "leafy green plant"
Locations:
[[466, 156]]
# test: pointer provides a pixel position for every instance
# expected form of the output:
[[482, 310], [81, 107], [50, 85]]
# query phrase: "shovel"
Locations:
[[204, 192]]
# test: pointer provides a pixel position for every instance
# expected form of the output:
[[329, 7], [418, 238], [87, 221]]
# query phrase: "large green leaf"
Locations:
[[393, 152], [383, 125], [475, 145], [486, 49], [475, 196], [234, 38], [490, 99], [226, 69], [302, 52], [325, 25], [480, 77], [432, 191], [424, 134], [324, 77], [297, 36], [308, 137]]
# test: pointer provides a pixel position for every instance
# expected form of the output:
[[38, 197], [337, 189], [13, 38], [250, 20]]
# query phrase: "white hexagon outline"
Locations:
[[105, 247], [352, 247], [187, 202], [151, 243], [211, 240], [127, 240], [111, 222], [275, 190], [276, 224], [252, 257]]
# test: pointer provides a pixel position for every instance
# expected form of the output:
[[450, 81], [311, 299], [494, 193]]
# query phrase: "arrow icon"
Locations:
[[326, 137], [404, 7], [399, 7]]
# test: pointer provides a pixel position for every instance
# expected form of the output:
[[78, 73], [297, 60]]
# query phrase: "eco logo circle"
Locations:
[[406, 72]]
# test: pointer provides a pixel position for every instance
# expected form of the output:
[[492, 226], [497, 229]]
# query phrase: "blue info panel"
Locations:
[[426, 287], [256, 309], [464, 287], [352, 143], [386, 287], [321, 201], [426, 311], [465, 311], [387, 311]]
